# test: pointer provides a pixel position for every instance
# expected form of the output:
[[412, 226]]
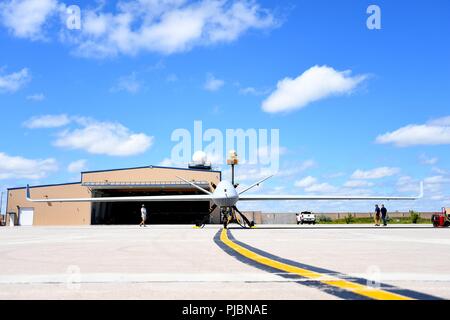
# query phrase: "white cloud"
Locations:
[[278, 189], [166, 162], [16, 167], [334, 175], [267, 152], [306, 182], [438, 197], [314, 84], [212, 83], [322, 188], [128, 83], [432, 185], [134, 26], [248, 90], [166, 27], [36, 97], [96, 24], [444, 121], [407, 184], [358, 184], [14, 81], [109, 138], [440, 171], [376, 173], [253, 91], [77, 166], [26, 18], [307, 164], [252, 172], [437, 180], [47, 121], [312, 185], [424, 159], [436, 132]]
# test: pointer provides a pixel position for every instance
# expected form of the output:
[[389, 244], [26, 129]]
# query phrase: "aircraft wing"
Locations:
[[123, 199], [258, 197], [322, 197]]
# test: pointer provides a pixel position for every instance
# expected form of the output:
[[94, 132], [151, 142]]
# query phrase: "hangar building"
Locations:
[[139, 181]]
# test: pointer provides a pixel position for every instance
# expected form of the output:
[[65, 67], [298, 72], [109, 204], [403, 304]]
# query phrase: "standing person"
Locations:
[[384, 215], [143, 216], [377, 215]]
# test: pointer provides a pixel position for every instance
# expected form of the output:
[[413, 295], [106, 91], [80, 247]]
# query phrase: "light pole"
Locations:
[[232, 161]]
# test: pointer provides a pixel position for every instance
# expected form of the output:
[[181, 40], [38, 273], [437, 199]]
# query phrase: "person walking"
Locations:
[[143, 216], [384, 215], [297, 216], [377, 215]]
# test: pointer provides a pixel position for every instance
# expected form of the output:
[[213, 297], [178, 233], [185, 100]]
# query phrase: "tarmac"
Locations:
[[269, 262]]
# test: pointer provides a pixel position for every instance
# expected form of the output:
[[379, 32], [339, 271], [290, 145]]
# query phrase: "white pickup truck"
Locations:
[[306, 217]]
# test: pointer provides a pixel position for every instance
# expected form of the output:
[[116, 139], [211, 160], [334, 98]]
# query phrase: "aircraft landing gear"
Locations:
[[206, 219], [229, 215], [245, 222]]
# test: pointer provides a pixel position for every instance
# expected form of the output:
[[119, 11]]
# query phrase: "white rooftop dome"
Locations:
[[199, 157]]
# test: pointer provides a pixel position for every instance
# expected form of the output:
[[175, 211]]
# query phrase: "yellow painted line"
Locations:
[[357, 288]]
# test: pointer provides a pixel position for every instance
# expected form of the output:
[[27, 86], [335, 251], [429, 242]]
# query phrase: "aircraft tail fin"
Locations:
[[421, 191]]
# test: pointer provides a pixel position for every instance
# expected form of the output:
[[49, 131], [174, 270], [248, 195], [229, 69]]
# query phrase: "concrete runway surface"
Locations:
[[268, 262]]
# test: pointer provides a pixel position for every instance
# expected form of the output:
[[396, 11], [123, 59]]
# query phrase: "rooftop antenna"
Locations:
[[232, 161]]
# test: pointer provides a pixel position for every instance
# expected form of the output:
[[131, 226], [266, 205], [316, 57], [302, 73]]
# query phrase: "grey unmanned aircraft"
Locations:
[[225, 196]]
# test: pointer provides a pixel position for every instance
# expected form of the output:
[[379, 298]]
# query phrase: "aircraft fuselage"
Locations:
[[225, 194]]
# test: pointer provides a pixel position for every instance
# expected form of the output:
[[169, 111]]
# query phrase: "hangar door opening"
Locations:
[[166, 212]]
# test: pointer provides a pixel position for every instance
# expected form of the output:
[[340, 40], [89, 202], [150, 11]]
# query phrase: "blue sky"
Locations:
[[359, 111]]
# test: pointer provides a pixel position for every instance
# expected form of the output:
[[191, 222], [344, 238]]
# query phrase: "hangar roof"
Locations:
[[153, 167], [143, 184], [121, 184]]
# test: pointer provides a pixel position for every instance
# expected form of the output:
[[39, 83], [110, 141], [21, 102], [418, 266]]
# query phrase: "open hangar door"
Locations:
[[167, 212]]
